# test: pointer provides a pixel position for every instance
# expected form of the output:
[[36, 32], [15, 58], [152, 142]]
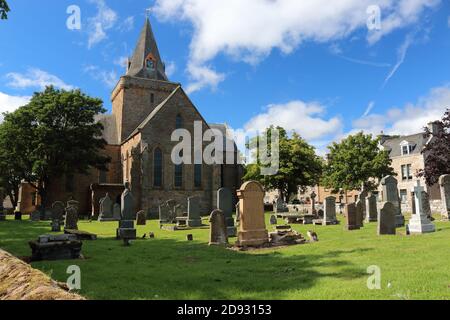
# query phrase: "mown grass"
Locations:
[[169, 267]]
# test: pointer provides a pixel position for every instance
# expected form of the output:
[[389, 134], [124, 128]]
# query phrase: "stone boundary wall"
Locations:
[[19, 281]]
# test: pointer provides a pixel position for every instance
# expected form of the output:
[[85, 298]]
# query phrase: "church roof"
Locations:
[[147, 48]]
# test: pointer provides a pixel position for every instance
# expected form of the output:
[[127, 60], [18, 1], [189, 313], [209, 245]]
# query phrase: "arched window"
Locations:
[[197, 175], [179, 122], [157, 167], [178, 176]]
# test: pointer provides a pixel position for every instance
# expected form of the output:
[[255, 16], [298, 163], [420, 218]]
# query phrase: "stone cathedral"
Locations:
[[146, 108]]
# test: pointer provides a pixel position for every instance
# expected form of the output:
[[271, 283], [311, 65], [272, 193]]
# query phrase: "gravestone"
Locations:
[[126, 230], [351, 217], [360, 213], [58, 211], [218, 229], [386, 219], [420, 223], [280, 206], [329, 214], [141, 218], [60, 247], [313, 203], [71, 221], [363, 196], [273, 220], [225, 203], [73, 203], [444, 183], [164, 213], [252, 227], [106, 209], [390, 194], [371, 209], [56, 226], [35, 216], [426, 207], [194, 217], [116, 212]]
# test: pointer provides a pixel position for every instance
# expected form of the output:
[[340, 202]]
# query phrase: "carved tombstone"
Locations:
[[71, 222], [444, 183], [390, 194], [371, 208], [141, 218], [225, 203], [194, 217], [351, 217], [252, 227], [329, 214], [58, 210], [116, 212], [386, 219], [218, 229], [127, 201], [106, 209], [360, 213], [420, 223]]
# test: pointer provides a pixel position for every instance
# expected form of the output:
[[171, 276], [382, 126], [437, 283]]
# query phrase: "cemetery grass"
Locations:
[[169, 267]]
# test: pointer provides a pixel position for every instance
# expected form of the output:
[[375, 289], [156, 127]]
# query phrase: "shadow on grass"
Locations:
[[178, 269]]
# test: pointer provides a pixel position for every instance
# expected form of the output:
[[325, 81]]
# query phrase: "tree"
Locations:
[[437, 151], [299, 166], [355, 161], [54, 135], [4, 9]]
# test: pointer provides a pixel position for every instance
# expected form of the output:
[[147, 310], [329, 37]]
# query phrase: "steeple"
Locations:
[[146, 61]]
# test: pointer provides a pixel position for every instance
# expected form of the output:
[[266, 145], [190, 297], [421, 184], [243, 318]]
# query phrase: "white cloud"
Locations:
[[10, 103], [36, 78], [369, 108], [249, 30], [401, 55], [410, 118], [121, 61], [103, 21], [108, 78], [127, 24], [171, 68], [307, 119]]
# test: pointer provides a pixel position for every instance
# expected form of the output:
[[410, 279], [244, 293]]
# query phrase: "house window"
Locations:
[[407, 172], [178, 176], [405, 150], [157, 168], [197, 175], [152, 98], [179, 122], [403, 195]]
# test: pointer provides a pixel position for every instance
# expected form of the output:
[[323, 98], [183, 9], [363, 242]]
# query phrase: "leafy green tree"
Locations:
[[54, 135], [299, 166], [4, 9], [437, 151], [355, 161]]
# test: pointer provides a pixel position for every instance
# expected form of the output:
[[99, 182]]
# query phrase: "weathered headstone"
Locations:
[[444, 183], [71, 221], [164, 213], [426, 207], [116, 212], [313, 196], [60, 247], [273, 220], [419, 222], [218, 229], [56, 226], [371, 209], [126, 230], [363, 196], [329, 214], [35, 216], [225, 203], [73, 203], [351, 217], [194, 217], [280, 206], [360, 213], [141, 218], [386, 219], [252, 227], [390, 193], [58, 210], [106, 209]]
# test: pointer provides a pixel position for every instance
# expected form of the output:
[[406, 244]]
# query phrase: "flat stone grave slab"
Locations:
[[81, 235], [59, 247]]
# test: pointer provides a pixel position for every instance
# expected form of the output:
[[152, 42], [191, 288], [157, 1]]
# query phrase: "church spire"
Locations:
[[146, 61]]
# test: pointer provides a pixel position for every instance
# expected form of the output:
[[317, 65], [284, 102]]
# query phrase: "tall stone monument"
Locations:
[[444, 183], [106, 209], [126, 230], [390, 194], [194, 217], [313, 196], [419, 222], [363, 196], [371, 208], [225, 203], [329, 214], [252, 226]]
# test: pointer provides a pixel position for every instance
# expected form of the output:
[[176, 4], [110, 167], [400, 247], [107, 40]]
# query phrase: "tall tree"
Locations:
[[437, 151], [355, 161], [4, 9], [56, 135], [299, 166]]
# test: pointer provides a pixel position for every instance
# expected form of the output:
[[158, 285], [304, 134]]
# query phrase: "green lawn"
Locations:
[[169, 267]]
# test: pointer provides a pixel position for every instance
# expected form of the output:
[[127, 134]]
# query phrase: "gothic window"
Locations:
[[179, 122], [157, 168], [197, 175], [178, 176]]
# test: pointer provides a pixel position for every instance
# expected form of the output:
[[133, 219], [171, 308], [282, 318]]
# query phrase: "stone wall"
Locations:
[[19, 281]]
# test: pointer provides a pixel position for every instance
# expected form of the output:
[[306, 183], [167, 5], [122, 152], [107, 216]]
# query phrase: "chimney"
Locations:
[[383, 137], [435, 127]]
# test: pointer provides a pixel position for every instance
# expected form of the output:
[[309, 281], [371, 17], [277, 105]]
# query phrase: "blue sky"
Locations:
[[310, 66]]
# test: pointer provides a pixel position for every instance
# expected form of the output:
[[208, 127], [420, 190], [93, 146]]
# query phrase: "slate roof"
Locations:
[[392, 144], [146, 45]]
